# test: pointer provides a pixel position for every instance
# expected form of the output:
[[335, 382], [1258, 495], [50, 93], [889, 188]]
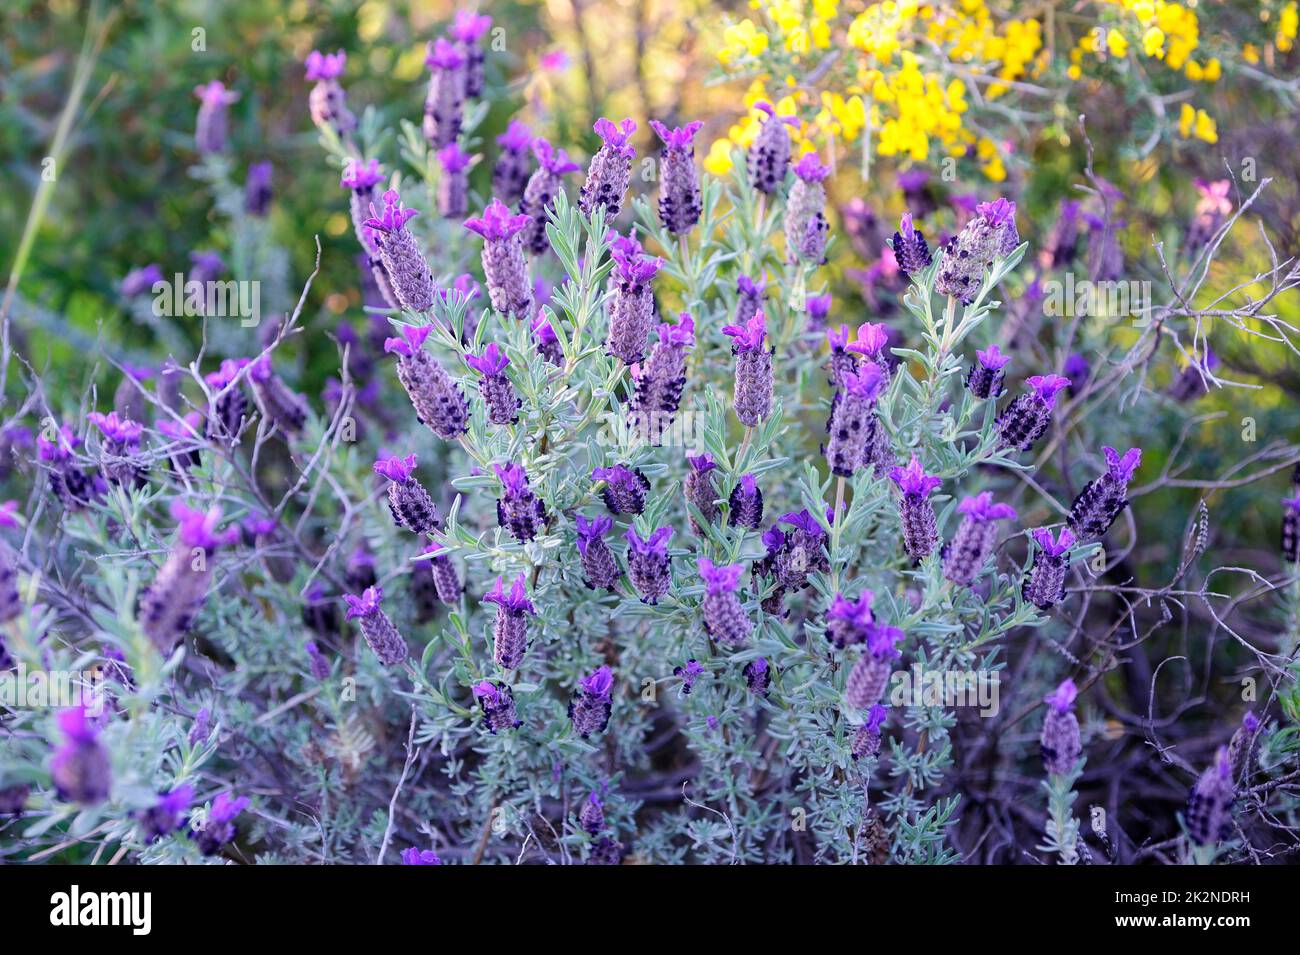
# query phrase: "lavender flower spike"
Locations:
[[851, 421], [174, 598], [1209, 807], [327, 101], [805, 212], [1291, 529], [498, 703], [610, 170], [404, 262], [408, 501], [467, 29], [625, 489], [631, 308], [439, 403], [80, 768], [218, 827], [446, 582], [510, 174], [679, 186], [751, 295], [724, 618], [700, 491], [990, 233], [540, 192], [1026, 419], [758, 676], [849, 622], [598, 564], [380, 633], [659, 381], [986, 376], [445, 100], [280, 404], [592, 815], [590, 707], [870, 675], [866, 742], [510, 630], [769, 154], [909, 247], [453, 185], [497, 390], [745, 505], [519, 510], [648, 563], [976, 536], [210, 126], [915, 510], [1060, 740], [504, 265], [1102, 500], [1044, 586], [753, 389]]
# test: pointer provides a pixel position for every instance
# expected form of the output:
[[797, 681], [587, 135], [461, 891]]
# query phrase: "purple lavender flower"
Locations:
[[408, 501], [758, 676], [498, 703], [590, 707], [218, 828], [724, 618], [1060, 740], [497, 390], [453, 185], [986, 376], [167, 814], [510, 174], [539, 194], [679, 186], [866, 742], [769, 154], [1240, 743], [648, 563], [229, 405], [793, 556], [659, 381], [359, 570], [870, 675], [1076, 368], [404, 261], [1044, 586], [849, 622], [141, 280], [600, 568], [871, 342], [258, 193], [990, 234], [818, 308], [445, 100], [914, 508], [752, 398], [320, 664], [327, 101], [1102, 500], [592, 815], [439, 573], [624, 491], [1291, 528], [205, 266], [610, 170], [745, 505], [69, 483], [1026, 419], [121, 446], [361, 179], [1063, 241], [548, 343], [380, 633], [688, 673], [504, 265], [700, 491], [976, 536], [80, 767], [1209, 807], [210, 126], [631, 308], [851, 420], [415, 856], [284, 407], [467, 29], [751, 296], [805, 212], [169, 605], [510, 630], [439, 403], [917, 194], [909, 247], [519, 510]]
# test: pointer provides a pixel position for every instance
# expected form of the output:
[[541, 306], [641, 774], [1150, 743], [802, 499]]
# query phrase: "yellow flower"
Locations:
[[718, 162], [1287, 25], [741, 40], [1116, 43], [1250, 53], [1197, 123], [1153, 42]]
